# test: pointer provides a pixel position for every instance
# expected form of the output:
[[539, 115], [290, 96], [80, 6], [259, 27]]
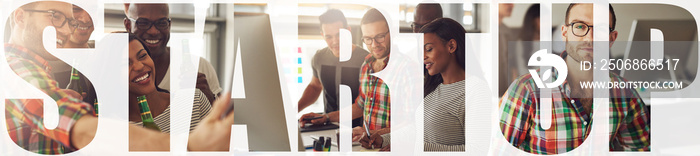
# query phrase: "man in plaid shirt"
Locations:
[[27, 57], [373, 100], [572, 105]]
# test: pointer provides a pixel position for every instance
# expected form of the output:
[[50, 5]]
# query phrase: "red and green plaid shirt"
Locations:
[[520, 124], [374, 96], [24, 117]]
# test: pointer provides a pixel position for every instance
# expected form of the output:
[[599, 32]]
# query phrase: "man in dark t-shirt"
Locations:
[[329, 72]]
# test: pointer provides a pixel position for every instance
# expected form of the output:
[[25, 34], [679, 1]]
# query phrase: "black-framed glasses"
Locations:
[[416, 26], [58, 19], [145, 24], [379, 38], [581, 29]]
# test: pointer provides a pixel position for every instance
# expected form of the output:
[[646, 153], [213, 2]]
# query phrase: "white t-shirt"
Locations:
[[204, 67]]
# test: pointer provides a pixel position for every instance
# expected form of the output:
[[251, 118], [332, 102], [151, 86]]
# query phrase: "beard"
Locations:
[[32, 39], [384, 53], [574, 49]]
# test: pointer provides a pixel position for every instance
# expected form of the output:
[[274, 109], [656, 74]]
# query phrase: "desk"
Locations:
[[307, 139]]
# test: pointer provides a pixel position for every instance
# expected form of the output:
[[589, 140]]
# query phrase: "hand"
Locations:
[[387, 148], [203, 86], [320, 121], [358, 133], [213, 133], [374, 141], [74, 94]]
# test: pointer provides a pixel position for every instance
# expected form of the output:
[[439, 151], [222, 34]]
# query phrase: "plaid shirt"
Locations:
[[520, 124], [24, 117], [374, 96]]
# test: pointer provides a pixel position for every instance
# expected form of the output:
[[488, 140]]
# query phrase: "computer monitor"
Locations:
[[676, 33], [262, 109]]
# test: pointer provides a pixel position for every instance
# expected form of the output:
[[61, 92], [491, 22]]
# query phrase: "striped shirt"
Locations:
[[374, 96], [24, 117], [200, 109], [444, 118], [520, 124]]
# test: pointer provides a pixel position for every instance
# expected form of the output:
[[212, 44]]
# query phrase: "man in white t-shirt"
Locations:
[[151, 23]]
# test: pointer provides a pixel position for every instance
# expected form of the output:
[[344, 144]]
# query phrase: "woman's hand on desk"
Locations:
[[387, 148], [313, 118]]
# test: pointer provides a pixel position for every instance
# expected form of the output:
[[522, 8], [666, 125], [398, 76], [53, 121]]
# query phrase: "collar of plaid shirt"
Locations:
[[374, 95], [520, 125]]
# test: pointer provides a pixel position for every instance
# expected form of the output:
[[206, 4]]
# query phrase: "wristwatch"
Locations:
[[328, 119]]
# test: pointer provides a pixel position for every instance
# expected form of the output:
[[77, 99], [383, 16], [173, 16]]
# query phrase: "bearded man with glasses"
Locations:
[[572, 104]]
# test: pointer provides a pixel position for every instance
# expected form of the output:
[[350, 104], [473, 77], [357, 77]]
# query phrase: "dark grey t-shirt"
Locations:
[[332, 73]]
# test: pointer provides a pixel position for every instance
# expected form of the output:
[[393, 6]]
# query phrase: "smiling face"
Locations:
[[437, 53], [154, 38], [331, 34], [84, 30], [34, 22], [379, 48], [141, 70]]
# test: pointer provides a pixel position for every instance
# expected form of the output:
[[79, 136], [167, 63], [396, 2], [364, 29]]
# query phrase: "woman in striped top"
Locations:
[[444, 100], [444, 96], [141, 82]]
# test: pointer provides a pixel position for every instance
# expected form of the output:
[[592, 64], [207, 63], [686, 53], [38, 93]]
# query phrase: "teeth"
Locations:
[[83, 28], [59, 41], [152, 41], [144, 77]]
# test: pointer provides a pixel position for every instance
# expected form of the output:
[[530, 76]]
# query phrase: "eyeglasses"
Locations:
[[581, 29], [59, 19], [145, 24], [416, 26], [378, 38]]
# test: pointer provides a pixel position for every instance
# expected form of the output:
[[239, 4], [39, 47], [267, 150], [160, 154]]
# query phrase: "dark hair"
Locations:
[[528, 30], [373, 15], [436, 6], [446, 29], [133, 37], [333, 15], [612, 12]]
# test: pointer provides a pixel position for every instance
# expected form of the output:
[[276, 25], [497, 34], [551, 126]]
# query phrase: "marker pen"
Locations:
[[318, 145], [327, 147]]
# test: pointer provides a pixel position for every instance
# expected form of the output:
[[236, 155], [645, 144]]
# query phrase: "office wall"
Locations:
[[626, 13]]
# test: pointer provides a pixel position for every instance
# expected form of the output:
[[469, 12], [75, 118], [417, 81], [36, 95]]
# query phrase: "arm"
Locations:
[[203, 85], [212, 133], [356, 113], [634, 132], [212, 76], [208, 80], [140, 139], [24, 114], [516, 114], [332, 116], [311, 93], [378, 139]]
